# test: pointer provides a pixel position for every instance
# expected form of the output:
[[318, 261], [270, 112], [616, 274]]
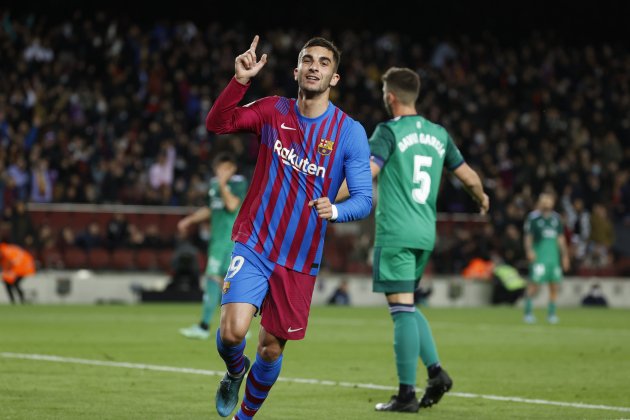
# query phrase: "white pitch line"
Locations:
[[159, 368]]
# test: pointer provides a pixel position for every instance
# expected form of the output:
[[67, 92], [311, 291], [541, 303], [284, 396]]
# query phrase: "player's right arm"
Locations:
[[225, 116], [198, 216]]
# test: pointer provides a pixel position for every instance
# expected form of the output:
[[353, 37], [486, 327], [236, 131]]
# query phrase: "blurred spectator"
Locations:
[[22, 230], [340, 296], [152, 237], [136, 237], [45, 238], [117, 232], [161, 174], [16, 264], [185, 267], [18, 173], [512, 247], [602, 237], [595, 297], [90, 238], [37, 52], [67, 238], [578, 222], [42, 180]]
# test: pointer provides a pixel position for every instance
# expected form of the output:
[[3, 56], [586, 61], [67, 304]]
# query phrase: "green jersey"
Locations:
[[222, 220], [412, 151], [545, 232]]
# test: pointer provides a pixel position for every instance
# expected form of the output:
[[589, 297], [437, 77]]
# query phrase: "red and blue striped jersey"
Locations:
[[299, 159]]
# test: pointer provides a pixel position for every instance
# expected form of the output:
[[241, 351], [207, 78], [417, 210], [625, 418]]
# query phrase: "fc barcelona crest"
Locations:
[[325, 147]]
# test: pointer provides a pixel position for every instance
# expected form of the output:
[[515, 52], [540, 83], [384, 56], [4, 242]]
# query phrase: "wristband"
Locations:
[[335, 213]]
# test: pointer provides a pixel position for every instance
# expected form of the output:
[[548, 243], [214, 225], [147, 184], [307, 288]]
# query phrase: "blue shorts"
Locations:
[[282, 296], [247, 278]]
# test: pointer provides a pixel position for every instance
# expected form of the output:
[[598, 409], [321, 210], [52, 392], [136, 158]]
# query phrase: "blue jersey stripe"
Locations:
[[306, 242], [320, 248], [296, 213], [276, 215]]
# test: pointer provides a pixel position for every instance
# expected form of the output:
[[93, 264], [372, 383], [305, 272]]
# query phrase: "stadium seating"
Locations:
[[123, 259], [75, 257], [99, 259], [51, 258], [146, 260]]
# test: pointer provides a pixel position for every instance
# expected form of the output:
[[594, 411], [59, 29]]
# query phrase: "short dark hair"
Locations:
[[318, 41], [404, 83], [222, 157]]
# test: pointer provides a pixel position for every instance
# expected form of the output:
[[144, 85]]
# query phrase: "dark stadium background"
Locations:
[[576, 21], [505, 23]]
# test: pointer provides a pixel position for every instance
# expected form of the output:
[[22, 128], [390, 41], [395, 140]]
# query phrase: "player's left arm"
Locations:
[[473, 186], [359, 182], [344, 192], [381, 146], [454, 161]]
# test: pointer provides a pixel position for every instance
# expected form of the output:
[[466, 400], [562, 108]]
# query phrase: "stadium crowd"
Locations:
[[97, 109]]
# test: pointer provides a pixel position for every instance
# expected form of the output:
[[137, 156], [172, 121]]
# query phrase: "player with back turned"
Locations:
[[409, 153], [307, 147]]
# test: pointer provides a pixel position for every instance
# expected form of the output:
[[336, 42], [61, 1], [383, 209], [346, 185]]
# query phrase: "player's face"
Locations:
[[315, 73], [546, 202], [225, 168]]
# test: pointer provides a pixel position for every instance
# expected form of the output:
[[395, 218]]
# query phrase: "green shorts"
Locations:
[[545, 273], [219, 261], [398, 270]]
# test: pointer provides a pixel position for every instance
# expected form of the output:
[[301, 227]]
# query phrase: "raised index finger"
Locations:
[[254, 43]]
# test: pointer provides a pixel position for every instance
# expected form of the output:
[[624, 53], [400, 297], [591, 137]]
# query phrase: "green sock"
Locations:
[[551, 309], [211, 299], [428, 350], [528, 306], [406, 347]]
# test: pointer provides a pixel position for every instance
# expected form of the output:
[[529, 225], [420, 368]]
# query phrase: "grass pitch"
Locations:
[[488, 352]]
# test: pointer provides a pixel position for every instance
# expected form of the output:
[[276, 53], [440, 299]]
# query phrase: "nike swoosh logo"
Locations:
[[294, 330], [286, 127]]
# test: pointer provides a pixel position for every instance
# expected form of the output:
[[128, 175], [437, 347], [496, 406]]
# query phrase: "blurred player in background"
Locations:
[[547, 254], [16, 264], [409, 153], [307, 147], [227, 190]]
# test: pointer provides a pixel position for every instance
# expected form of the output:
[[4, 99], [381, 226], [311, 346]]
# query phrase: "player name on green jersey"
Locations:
[[415, 138]]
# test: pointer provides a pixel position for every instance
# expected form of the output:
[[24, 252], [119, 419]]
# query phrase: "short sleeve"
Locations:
[[453, 158]]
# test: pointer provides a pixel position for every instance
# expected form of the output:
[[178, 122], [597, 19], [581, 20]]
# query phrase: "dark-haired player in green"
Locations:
[[409, 153], [547, 253], [225, 196]]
